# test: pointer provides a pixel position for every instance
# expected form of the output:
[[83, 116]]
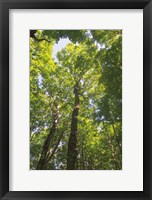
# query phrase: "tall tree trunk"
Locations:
[[117, 139], [120, 148], [113, 154], [55, 148], [45, 151], [72, 153], [82, 158]]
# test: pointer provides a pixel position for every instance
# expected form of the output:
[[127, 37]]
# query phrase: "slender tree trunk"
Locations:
[[82, 159], [113, 155], [55, 148], [45, 150], [117, 139], [111, 149], [120, 148], [72, 153]]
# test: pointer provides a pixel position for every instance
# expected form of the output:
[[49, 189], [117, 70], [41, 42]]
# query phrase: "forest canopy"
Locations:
[[76, 100]]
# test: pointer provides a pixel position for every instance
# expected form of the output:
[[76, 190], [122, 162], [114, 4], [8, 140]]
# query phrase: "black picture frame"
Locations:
[[5, 5]]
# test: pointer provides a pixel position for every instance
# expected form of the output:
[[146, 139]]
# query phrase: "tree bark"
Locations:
[[113, 154], [55, 148], [72, 152], [32, 35], [45, 151], [117, 139]]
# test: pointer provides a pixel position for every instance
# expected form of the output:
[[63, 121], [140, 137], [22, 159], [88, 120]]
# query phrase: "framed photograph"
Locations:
[[75, 99]]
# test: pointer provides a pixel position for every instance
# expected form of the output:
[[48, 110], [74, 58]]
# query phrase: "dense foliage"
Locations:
[[76, 102]]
